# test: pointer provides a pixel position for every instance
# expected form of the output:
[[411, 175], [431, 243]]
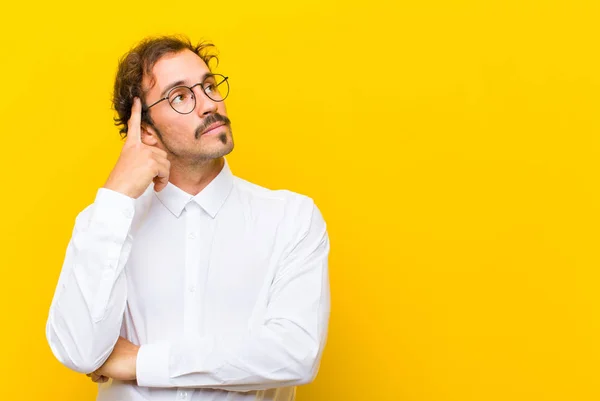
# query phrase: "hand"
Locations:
[[97, 378], [139, 164], [120, 365]]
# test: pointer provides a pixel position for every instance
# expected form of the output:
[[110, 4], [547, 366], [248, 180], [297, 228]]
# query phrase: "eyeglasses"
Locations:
[[182, 98]]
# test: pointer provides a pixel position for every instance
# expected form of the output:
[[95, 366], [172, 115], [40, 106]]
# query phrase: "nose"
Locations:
[[204, 104]]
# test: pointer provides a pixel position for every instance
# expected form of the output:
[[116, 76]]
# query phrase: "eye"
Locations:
[[209, 85], [210, 88], [180, 96]]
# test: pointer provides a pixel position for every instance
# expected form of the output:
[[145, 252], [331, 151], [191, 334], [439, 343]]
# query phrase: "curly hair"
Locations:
[[138, 62]]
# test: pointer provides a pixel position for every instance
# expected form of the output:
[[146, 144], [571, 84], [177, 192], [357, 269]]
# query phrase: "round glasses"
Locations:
[[182, 98]]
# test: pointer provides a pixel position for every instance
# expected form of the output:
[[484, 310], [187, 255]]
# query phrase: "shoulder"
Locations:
[[297, 213], [292, 203]]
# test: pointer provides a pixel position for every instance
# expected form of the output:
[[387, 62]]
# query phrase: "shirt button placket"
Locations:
[[192, 253]]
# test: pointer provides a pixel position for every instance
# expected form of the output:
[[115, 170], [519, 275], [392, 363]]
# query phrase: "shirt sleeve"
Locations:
[[287, 348], [86, 313]]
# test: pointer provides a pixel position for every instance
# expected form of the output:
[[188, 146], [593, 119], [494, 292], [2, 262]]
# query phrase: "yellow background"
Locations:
[[452, 146]]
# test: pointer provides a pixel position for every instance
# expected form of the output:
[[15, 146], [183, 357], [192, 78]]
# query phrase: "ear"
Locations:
[[149, 135]]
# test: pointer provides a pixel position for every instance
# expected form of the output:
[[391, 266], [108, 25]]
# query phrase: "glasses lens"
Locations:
[[182, 99], [216, 87]]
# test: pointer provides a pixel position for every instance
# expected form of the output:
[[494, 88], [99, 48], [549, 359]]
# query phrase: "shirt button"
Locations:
[[192, 236], [192, 288], [183, 395], [128, 213]]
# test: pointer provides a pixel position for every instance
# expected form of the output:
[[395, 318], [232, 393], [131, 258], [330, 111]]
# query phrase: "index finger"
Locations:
[[133, 125]]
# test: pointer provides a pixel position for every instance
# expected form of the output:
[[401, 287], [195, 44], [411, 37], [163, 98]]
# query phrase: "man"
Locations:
[[201, 286]]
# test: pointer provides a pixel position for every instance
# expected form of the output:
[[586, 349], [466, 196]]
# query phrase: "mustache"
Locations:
[[211, 119]]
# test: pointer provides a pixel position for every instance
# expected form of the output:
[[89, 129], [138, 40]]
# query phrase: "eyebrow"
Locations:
[[180, 82]]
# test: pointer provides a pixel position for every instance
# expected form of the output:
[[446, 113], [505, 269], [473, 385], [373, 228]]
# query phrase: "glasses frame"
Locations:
[[191, 88]]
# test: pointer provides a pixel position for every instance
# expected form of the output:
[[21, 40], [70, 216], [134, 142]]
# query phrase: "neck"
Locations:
[[194, 178]]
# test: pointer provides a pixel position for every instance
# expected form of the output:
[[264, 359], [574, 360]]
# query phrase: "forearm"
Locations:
[[87, 309], [281, 354]]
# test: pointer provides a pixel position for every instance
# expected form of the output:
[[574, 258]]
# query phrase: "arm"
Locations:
[[87, 309], [284, 351]]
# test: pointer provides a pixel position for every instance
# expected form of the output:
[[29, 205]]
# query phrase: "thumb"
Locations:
[[160, 182]]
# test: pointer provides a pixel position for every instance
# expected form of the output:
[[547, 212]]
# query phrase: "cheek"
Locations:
[[176, 129]]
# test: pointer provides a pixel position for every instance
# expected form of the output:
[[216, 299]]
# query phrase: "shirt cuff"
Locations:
[[109, 204], [152, 365]]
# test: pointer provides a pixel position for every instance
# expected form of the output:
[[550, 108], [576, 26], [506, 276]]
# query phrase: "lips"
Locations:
[[212, 126]]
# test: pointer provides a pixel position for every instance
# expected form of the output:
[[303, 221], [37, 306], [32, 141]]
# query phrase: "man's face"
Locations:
[[185, 136]]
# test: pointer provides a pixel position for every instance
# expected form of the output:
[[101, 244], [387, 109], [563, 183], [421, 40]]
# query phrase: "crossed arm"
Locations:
[[87, 310]]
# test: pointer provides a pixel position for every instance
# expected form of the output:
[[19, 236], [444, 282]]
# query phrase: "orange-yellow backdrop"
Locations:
[[453, 147]]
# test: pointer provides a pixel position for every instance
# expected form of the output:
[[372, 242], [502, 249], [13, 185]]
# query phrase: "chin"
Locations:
[[218, 150]]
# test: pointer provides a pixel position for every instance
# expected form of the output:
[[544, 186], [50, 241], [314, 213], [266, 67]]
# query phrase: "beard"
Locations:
[[203, 154]]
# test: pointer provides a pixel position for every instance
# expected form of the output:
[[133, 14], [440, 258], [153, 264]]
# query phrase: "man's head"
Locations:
[[157, 71]]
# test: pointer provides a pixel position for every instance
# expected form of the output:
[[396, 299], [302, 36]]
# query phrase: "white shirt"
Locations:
[[227, 292]]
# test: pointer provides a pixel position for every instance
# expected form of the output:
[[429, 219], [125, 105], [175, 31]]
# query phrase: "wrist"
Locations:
[[134, 356], [117, 188]]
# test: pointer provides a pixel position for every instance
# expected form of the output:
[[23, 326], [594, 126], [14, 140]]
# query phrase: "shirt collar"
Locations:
[[211, 198]]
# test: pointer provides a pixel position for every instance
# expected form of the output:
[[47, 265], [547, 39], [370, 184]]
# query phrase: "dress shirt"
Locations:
[[226, 292]]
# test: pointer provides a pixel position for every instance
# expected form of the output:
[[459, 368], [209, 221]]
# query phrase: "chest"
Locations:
[[201, 275]]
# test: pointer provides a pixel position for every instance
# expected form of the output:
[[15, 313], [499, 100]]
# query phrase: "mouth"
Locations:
[[213, 128]]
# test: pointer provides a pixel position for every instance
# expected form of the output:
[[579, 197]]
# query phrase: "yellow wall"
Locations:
[[453, 147]]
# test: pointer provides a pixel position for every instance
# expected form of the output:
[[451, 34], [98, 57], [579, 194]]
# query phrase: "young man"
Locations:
[[201, 286]]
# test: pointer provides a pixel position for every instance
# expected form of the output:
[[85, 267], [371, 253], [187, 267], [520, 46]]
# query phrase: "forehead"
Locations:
[[182, 66]]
